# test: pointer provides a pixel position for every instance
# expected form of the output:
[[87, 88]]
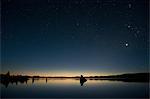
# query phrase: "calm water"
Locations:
[[72, 88]]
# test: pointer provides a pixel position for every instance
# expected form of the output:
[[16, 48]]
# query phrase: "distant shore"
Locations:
[[139, 77], [5, 79], [130, 77]]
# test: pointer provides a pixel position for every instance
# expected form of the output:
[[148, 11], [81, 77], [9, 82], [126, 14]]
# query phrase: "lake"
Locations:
[[71, 88]]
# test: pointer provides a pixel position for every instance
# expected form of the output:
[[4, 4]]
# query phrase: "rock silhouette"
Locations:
[[82, 80], [7, 78]]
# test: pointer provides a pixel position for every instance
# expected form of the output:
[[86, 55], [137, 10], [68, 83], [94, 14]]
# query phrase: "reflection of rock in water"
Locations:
[[26, 81], [6, 82], [82, 80], [46, 80], [32, 80]]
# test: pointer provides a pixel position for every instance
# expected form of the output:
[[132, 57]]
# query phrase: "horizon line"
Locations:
[[72, 76]]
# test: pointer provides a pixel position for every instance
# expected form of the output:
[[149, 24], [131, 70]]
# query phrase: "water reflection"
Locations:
[[63, 81], [71, 88], [7, 82]]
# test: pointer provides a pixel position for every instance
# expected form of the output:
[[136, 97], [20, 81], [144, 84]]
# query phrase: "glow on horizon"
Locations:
[[60, 73]]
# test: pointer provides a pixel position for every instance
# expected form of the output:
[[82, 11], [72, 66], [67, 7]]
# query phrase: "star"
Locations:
[[129, 26], [129, 5], [127, 44], [96, 24], [77, 24], [56, 8], [137, 31]]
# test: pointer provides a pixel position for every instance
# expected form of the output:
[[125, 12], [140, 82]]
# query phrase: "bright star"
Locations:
[[127, 44]]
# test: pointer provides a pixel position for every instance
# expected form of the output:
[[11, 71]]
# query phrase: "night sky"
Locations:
[[74, 37]]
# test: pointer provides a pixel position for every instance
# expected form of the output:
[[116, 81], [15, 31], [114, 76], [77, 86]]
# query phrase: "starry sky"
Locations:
[[74, 37]]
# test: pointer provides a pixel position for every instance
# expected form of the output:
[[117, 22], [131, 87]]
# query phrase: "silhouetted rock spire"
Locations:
[[82, 80], [8, 74]]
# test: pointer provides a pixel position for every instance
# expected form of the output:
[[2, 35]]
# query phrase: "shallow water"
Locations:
[[71, 88]]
